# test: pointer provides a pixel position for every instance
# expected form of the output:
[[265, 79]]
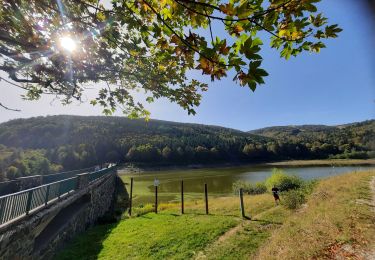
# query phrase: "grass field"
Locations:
[[151, 236], [337, 219], [167, 234]]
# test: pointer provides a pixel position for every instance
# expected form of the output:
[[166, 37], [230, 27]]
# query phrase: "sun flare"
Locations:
[[68, 44]]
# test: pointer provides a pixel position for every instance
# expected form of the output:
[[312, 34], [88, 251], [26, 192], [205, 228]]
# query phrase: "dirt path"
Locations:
[[231, 232], [221, 239]]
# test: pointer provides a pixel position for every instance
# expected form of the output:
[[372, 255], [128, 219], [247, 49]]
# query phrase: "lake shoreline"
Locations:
[[292, 163]]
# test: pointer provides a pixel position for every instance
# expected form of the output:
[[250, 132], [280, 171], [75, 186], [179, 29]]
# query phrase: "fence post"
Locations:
[[59, 192], [182, 197], [206, 197], [28, 204], [2, 209], [82, 181], [131, 196], [241, 203], [156, 199], [47, 195]]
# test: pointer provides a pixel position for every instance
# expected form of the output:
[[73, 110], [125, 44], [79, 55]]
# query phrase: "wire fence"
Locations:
[[17, 205], [184, 201]]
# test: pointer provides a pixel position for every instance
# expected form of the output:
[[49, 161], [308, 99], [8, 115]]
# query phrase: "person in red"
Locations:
[[275, 193]]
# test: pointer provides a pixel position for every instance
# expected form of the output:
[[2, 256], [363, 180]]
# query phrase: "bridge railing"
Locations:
[[95, 175], [64, 175], [17, 205], [12, 186]]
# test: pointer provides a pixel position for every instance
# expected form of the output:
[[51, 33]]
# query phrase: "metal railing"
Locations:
[[8, 187], [17, 205], [95, 175], [64, 175]]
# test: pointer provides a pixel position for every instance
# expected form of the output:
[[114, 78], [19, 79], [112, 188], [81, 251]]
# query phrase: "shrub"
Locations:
[[283, 181], [308, 186], [249, 188], [293, 199], [143, 209]]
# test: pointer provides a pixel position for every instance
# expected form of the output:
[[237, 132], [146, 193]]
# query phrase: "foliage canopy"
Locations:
[[149, 45]]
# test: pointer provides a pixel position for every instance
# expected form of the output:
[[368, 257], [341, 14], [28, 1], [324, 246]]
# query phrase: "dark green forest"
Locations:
[[44, 145]]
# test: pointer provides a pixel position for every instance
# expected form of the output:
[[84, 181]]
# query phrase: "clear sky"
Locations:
[[334, 87]]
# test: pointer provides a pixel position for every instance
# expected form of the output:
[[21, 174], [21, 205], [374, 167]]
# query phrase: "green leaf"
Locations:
[[150, 99]]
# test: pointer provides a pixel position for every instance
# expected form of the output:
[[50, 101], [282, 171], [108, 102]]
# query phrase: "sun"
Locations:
[[68, 44]]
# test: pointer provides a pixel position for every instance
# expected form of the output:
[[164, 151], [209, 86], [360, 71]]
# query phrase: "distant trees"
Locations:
[[80, 142], [167, 153], [143, 153], [16, 163]]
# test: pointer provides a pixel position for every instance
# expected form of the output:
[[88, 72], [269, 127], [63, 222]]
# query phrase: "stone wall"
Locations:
[[40, 235]]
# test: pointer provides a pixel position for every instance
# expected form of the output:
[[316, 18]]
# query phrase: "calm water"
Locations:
[[219, 180]]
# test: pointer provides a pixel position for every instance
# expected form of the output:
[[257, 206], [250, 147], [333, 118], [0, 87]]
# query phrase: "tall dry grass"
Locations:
[[337, 220]]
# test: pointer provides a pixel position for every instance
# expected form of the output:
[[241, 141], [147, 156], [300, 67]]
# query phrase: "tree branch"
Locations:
[[209, 24], [250, 19], [11, 109], [182, 39], [201, 3], [11, 83]]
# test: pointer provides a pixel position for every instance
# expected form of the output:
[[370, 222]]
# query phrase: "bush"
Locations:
[[143, 209], [308, 186], [283, 181], [249, 188], [293, 199]]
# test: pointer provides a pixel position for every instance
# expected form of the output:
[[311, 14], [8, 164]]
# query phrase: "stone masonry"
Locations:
[[42, 234]]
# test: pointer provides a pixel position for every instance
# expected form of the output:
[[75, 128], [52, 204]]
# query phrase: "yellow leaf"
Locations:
[[162, 3], [283, 33], [100, 16]]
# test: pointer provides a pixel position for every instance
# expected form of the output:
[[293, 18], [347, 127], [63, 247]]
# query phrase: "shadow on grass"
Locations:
[[89, 244]]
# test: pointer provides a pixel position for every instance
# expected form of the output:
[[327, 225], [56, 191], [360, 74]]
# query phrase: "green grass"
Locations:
[[337, 213], [167, 234], [246, 240], [150, 236]]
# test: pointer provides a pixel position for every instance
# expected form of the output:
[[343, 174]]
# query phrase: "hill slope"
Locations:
[[41, 144], [349, 137], [53, 131]]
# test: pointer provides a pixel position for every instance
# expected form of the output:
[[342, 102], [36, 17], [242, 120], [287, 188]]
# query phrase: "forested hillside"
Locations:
[[346, 141], [47, 144]]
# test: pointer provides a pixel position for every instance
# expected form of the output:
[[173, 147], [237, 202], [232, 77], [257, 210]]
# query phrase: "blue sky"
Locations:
[[334, 87]]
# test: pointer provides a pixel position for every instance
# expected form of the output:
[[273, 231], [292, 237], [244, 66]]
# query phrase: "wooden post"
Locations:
[[182, 197], [241, 203], [206, 197], [156, 199], [131, 196]]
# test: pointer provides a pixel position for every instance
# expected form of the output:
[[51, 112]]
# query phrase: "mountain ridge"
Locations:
[[39, 145]]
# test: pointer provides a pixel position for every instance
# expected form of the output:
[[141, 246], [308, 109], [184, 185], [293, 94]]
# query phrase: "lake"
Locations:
[[219, 180]]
